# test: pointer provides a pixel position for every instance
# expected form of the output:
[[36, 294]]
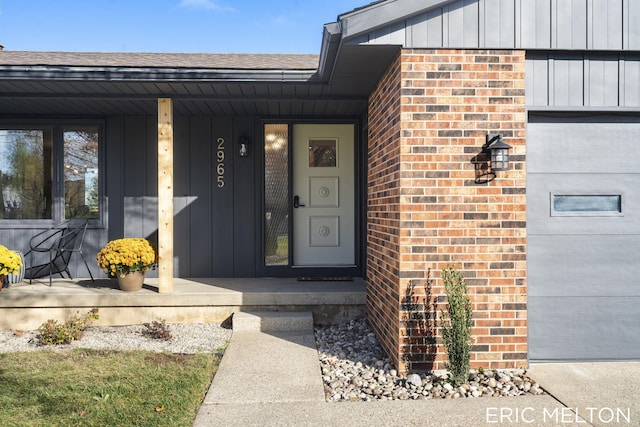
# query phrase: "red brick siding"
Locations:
[[427, 211], [383, 250]]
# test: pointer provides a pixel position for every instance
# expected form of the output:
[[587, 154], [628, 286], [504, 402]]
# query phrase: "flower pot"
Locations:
[[18, 276], [131, 281], [11, 264]]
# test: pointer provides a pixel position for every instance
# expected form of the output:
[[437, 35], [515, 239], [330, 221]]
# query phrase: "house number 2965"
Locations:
[[220, 162]]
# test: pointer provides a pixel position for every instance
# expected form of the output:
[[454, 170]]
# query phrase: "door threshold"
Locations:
[[325, 279]]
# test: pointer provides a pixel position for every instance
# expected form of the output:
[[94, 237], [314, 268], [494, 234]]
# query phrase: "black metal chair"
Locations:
[[51, 250]]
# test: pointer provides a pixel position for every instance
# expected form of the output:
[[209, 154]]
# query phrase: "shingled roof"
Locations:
[[226, 61]]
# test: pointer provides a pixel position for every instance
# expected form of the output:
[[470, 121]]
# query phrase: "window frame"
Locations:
[[58, 186]]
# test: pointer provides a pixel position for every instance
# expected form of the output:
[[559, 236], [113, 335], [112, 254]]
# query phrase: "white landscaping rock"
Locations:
[[350, 354]]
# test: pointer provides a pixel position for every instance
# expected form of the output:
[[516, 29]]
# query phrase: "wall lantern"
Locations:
[[244, 146], [498, 151]]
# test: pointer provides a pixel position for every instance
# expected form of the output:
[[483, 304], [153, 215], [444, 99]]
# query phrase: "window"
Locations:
[[586, 205], [81, 172], [276, 194], [49, 172], [323, 153], [26, 173]]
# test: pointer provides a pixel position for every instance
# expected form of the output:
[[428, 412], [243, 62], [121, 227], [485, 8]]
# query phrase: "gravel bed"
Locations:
[[185, 339], [354, 368]]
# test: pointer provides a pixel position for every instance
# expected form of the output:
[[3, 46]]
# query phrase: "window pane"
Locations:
[[25, 173], [276, 194], [587, 203], [322, 153], [81, 172]]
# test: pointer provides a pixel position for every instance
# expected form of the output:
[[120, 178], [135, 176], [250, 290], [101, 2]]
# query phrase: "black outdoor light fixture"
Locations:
[[498, 151], [244, 146]]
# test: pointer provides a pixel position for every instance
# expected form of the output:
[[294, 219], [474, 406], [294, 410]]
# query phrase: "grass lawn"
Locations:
[[102, 388]]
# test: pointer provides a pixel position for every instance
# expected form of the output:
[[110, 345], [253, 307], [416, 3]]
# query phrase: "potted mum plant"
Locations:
[[10, 262], [128, 260]]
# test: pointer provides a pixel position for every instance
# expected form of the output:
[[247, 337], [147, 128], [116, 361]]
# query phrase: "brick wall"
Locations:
[[430, 205], [383, 237]]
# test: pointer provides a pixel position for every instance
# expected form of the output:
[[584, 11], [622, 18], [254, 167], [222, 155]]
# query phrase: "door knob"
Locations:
[[296, 202]]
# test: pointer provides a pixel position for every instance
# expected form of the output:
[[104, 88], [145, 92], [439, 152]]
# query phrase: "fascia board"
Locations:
[[331, 37], [138, 74], [369, 18]]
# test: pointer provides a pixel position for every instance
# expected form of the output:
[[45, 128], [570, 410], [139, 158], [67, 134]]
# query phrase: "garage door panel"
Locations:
[[583, 265], [541, 218], [583, 236], [579, 328], [562, 147]]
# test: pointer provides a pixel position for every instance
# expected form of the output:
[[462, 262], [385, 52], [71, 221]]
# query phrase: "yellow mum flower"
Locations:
[[9, 261], [127, 255]]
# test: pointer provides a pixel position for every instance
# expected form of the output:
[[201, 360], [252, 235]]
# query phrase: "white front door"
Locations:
[[324, 198]]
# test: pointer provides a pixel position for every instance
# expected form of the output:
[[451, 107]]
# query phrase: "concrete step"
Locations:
[[272, 321]]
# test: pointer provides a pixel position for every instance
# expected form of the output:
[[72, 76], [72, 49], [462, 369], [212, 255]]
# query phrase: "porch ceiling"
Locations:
[[76, 97]]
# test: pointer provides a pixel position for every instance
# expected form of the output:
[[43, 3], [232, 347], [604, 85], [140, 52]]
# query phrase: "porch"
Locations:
[[26, 306]]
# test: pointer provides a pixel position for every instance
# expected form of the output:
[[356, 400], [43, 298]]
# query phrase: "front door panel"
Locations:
[[324, 202]]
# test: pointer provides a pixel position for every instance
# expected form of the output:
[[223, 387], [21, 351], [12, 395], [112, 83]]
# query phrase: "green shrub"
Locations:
[[53, 332], [456, 325]]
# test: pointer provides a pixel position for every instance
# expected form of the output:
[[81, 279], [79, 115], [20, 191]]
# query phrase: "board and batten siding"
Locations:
[[214, 227], [572, 79], [513, 24]]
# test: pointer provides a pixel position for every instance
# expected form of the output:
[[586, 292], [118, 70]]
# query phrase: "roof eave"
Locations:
[[145, 74], [380, 14]]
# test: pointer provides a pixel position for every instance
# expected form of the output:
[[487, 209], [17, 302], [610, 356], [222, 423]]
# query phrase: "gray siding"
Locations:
[[214, 228], [565, 79], [515, 24]]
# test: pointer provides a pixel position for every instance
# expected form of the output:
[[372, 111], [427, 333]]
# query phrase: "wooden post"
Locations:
[[165, 195]]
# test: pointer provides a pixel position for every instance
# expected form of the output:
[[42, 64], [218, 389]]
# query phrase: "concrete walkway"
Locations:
[[604, 394], [270, 376], [270, 359]]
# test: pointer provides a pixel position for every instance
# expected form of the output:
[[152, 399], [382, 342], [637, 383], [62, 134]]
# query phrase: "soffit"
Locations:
[[46, 83]]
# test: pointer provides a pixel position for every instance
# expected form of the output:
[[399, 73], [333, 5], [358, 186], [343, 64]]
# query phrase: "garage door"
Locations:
[[583, 226]]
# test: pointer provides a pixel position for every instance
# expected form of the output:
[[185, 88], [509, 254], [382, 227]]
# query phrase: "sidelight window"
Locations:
[[276, 194]]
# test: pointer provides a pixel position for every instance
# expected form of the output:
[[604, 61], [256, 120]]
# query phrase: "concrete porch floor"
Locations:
[[26, 306]]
